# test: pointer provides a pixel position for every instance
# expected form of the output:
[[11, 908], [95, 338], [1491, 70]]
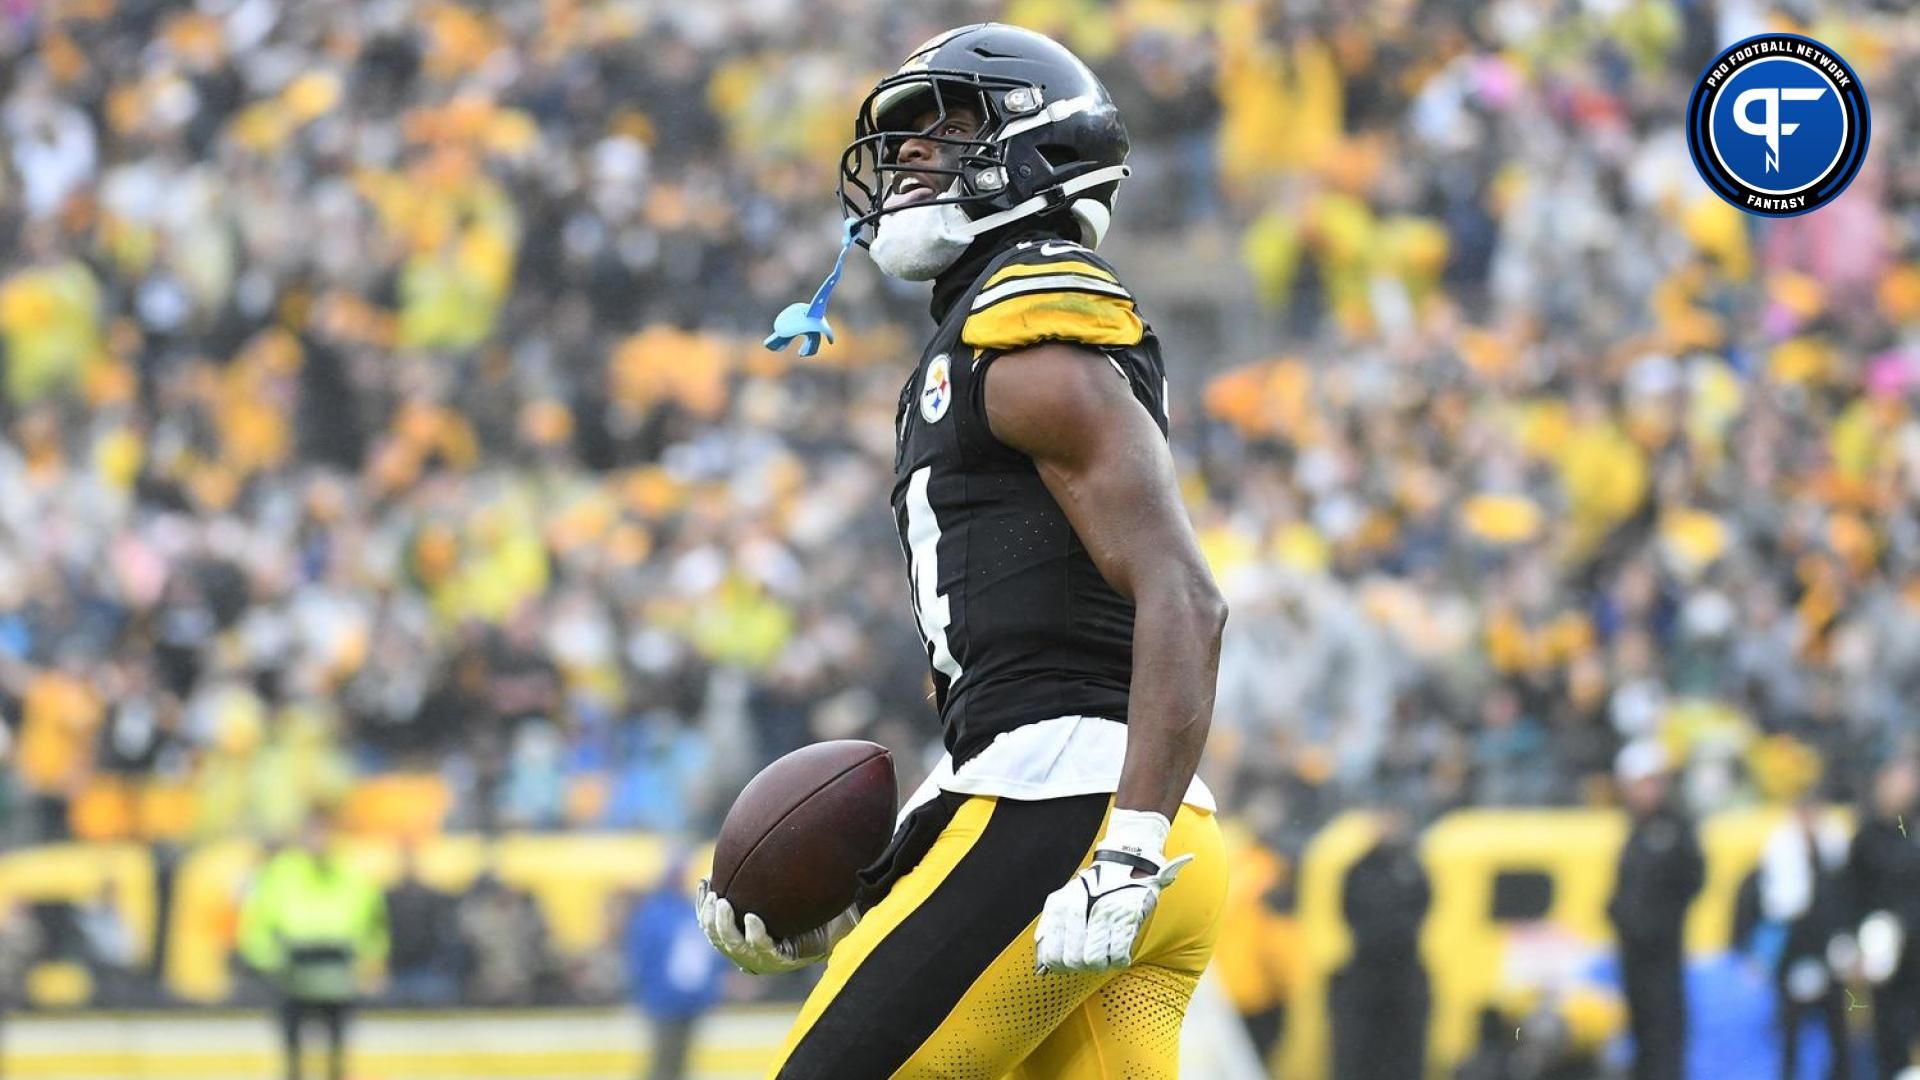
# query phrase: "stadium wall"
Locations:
[[1518, 914], [1518, 921]]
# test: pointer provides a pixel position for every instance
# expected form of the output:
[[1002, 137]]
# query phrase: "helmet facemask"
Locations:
[[973, 174]]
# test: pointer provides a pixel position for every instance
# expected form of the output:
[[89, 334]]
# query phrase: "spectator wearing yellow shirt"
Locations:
[[49, 321], [59, 715], [1281, 91]]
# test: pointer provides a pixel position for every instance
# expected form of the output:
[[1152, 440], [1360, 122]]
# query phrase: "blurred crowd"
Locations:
[[1558, 451], [382, 394]]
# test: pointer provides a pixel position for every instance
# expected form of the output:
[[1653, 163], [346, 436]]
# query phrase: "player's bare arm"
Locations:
[[1106, 463]]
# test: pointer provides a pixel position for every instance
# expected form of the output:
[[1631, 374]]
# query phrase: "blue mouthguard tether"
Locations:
[[808, 321]]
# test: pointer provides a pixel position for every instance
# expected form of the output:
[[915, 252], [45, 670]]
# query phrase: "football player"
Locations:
[[1052, 892]]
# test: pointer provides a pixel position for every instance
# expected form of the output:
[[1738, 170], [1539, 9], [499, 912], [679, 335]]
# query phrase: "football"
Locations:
[[796, 839]]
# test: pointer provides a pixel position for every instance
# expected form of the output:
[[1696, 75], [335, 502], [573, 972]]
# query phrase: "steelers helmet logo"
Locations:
[[937, 394], [1778, 125]]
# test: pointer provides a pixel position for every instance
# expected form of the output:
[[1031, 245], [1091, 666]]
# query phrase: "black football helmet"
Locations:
[[1050, 138]]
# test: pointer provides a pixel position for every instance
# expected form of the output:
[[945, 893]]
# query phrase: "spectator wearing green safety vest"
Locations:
[[313, 925]]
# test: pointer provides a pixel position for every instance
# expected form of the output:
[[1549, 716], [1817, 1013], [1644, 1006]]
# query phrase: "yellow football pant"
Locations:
[[937, 981]]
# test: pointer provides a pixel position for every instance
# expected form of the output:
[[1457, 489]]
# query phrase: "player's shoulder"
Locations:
[[1051, 290]]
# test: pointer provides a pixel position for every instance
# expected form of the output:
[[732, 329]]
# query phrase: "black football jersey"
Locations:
[[1018, 624]]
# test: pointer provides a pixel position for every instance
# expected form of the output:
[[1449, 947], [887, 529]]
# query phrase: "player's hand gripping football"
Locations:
[[1090, 923], [757, 952]]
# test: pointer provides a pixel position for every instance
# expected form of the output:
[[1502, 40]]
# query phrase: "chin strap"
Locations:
[[808, 320], [1058, 195]]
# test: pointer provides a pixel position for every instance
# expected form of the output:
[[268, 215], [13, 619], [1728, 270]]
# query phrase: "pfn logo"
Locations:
[[1770, 128], [1778, 125]]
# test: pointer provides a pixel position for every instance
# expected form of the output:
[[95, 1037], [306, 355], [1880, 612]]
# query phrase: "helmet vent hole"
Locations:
[[1057, 154], [988, 54]]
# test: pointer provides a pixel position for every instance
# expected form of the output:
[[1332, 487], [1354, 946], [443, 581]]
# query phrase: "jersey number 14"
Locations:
[[930, 608]]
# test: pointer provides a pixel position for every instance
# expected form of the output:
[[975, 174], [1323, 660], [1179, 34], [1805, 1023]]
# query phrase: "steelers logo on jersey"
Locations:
[[937, 394]]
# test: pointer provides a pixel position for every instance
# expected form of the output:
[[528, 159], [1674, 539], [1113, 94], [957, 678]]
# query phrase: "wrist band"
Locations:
[[1126, 858]]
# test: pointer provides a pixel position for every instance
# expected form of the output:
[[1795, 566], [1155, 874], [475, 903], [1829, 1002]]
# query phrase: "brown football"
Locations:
[[796, 839]]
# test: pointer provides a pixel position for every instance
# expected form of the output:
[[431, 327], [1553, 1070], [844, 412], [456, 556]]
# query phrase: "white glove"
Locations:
[[1881, 943], [757, 952], [1089, 924]]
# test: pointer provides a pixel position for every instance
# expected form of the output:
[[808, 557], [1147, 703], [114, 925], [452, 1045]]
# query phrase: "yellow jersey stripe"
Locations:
[[1029, 318]]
